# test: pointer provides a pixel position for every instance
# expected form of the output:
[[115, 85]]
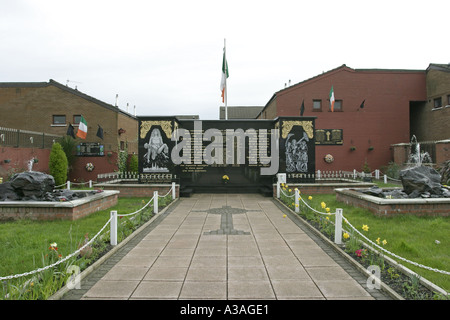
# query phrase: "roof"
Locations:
[[439, 67], [65, 88], [240, 112]]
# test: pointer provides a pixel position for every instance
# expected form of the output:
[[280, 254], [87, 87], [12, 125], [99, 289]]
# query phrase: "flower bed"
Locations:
[[408, 286]]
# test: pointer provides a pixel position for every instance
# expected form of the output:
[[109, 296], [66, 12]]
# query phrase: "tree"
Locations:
[[69, 145], [58, 164]]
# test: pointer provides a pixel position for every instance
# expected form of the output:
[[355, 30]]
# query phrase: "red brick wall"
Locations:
[[26, 211], [19, 158], [383, 121]]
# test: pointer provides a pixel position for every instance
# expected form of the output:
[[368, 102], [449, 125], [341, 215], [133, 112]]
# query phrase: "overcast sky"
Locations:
[[165, 57]]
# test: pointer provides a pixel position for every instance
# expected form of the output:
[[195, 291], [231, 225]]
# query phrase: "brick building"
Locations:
[[50, 107], [430, 119], [371, 112]]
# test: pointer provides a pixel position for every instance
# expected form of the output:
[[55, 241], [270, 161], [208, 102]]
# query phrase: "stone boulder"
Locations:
[[7, 192], [32, 184], [421, 179]]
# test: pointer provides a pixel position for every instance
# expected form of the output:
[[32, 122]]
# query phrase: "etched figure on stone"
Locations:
[[297, 154], [157, 156]]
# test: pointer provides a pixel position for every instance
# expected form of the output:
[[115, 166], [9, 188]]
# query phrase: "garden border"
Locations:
[[61, 292], [385, 288], [403, 269]]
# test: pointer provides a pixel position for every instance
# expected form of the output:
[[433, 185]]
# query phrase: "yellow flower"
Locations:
[[327, 209], [309, 198], [346, 235], [378, 240], [384, 242], [365, 227], [327, 218], [284, 216], [323, 204], [290, 190], [296, 205]]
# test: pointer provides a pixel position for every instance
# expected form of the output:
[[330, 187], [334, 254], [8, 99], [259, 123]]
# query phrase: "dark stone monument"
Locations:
[[37, 186], [421, 180], [226, 155]]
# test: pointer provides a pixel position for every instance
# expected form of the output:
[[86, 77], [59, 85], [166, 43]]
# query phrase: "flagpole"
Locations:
[[226, 87]]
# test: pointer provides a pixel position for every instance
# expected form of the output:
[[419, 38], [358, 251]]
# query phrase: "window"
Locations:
[[337, 105], [448, 100], [76, 119], [59, 120], [317, 105], [438, 102]]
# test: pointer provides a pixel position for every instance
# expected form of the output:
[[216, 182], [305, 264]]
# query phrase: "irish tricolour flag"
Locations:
[[82, 128], [225, 75], [332, 99]]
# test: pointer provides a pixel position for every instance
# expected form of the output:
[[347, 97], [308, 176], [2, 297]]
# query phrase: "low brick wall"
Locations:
[[45, 210], [392, 207], [136, 190]]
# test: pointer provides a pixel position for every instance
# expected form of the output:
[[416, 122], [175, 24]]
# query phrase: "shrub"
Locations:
[[69, 146], [133, 163], [57, 164]]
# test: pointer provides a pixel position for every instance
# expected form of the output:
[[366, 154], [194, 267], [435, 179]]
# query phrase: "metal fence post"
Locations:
[[113, 228], [68, 185], [155, 201], [338, 227]]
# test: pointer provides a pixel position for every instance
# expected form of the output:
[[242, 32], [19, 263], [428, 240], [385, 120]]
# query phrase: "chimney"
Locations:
[[117, 100]]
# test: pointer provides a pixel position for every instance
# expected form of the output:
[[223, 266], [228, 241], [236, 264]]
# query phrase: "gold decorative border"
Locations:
[[166, 126], [288, 125]]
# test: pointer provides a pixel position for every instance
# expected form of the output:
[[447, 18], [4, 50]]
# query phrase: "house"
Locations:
[[371, 112], [51, 107]]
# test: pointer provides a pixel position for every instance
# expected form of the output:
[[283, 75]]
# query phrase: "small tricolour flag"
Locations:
[[225, 75], [332, 99], [82, 128]]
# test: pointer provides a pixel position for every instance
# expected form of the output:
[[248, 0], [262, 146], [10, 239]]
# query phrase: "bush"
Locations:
[[69, 146], [133, 163], [57, 164]]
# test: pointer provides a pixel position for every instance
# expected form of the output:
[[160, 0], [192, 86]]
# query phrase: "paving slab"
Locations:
[[225, 247]]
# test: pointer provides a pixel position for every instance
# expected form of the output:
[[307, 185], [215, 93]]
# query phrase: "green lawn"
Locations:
[[24, 244], [410, 237]]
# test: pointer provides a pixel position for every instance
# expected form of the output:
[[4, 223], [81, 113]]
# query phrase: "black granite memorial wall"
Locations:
[[225, 155]]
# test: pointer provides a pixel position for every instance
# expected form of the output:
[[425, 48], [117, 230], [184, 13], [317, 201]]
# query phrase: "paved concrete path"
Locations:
[[225, 246]]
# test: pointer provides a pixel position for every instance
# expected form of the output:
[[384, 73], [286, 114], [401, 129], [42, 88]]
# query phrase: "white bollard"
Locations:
[[113, 228], [338, 227], [68, 185], [278, 189], [297, 198], [90, 183], [174, 191], [155, 201], [385, 179]]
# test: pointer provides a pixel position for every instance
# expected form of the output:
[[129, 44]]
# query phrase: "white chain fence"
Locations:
[[339, 230], [110, 222], [15, 276]]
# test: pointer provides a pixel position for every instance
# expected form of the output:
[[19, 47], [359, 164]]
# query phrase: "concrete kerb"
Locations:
[[60, 293], [385, 288]]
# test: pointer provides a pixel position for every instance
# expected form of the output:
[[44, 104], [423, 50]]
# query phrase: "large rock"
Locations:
[[420, 180], [32, 184], [7, 192]]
